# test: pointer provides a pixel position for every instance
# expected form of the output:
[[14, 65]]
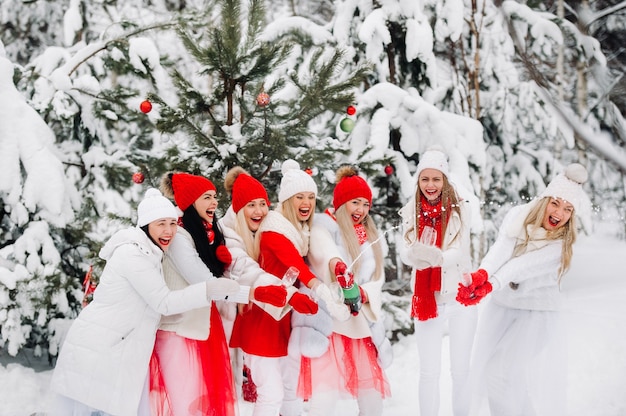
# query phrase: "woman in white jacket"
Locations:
[[437, 246], [103, 363], [519, 351], [352, 367]]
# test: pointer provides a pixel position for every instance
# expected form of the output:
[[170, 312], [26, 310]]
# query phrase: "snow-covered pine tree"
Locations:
[[262, 93]]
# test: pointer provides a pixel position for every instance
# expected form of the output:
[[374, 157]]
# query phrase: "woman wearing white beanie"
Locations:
[[436, 231], [519, 351], [282, 241], [103, 365]]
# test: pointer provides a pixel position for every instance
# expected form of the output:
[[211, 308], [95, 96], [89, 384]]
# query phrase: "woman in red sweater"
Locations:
[[282, 241]]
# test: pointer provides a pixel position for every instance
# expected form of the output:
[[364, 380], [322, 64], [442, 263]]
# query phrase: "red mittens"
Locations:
[[345, 280], [223, 255], [476, 291], [340, 268], [303, 303], [275, 295]]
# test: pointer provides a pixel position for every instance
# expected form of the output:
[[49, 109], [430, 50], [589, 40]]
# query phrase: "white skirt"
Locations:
[[519, 362]]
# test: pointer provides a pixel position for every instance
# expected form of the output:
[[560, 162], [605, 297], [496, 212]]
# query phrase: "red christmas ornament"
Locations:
[[138, 177], [388, 170], [263, 99], [309, 171], [351, 110], [145, 106]]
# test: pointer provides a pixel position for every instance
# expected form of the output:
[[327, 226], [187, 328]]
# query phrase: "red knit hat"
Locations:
[[187, 188], [245, 189], [350, 186]]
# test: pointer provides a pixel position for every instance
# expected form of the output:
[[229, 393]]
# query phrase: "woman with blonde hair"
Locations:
[[352, 366], [436, 230], [282, 241], [519, 353]]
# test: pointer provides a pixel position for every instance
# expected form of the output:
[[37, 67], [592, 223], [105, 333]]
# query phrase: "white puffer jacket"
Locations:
[[103, 362], [529, 281]]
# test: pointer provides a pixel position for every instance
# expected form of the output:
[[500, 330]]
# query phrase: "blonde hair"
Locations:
[[351, 242], [567, 233], [287, 210], [248, 237], [450, 202]]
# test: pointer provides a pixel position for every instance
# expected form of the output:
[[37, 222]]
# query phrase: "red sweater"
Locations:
[[255, 331]]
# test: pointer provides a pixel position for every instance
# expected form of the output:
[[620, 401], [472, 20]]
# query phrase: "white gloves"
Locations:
[[421, 256], [335, 306], [221, 288]]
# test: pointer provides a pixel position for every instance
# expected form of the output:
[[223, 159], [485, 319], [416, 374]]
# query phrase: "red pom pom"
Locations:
[[388, 170], [138, 177], [309, 171], [263, 99], [145, 106], [351, 110]]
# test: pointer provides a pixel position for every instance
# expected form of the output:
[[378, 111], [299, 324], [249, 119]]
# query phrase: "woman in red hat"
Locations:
[[249, 207], [281, 241], [352, 367], [191, 370]]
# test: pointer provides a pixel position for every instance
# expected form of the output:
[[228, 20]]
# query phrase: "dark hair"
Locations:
[[193, 223], [145, 230]]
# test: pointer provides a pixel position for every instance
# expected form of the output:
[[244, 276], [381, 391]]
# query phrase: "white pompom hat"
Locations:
[[568, 186], [294, 181], [433, 158], [153, 207]]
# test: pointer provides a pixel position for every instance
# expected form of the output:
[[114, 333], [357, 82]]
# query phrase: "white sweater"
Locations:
[[529, 281]]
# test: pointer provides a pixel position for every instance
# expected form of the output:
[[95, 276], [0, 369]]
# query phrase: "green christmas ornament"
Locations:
[[346, 125]]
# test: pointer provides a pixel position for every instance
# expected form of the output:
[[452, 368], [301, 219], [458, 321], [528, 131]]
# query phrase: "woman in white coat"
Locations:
[[103, 362], [437, 246], [352, 367], [520, 344]]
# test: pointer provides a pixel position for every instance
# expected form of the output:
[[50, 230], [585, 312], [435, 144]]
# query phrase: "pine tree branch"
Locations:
[[90, 50]]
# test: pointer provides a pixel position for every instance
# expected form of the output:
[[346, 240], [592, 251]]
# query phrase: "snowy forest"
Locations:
[[99, 98]]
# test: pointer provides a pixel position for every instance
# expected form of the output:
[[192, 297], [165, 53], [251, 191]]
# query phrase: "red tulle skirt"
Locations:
[[190, 377], [348, 366]]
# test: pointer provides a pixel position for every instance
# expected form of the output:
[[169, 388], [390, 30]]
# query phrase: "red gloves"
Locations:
[[275, 295], [345, 280], [223, 255], [476, 291], [351, 291], [303, 303]]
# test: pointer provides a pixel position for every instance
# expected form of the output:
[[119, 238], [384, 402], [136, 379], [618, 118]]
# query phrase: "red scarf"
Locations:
[[427, 281], [208, 228]]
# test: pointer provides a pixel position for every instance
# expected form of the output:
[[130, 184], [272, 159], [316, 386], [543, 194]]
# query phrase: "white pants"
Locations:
[[276, 381], [461, 325]]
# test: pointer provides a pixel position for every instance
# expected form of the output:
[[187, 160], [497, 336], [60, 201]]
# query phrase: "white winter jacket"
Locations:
[[455, 248], [529, 281], [104, 359]]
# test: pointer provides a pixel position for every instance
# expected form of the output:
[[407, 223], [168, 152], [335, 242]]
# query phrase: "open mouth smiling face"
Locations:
[[206, 205], [304, 205], [557, 214]]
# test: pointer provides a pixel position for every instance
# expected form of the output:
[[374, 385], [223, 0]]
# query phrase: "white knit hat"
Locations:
[[294, 181], [433, 158], [153, 207], [568, 186]]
